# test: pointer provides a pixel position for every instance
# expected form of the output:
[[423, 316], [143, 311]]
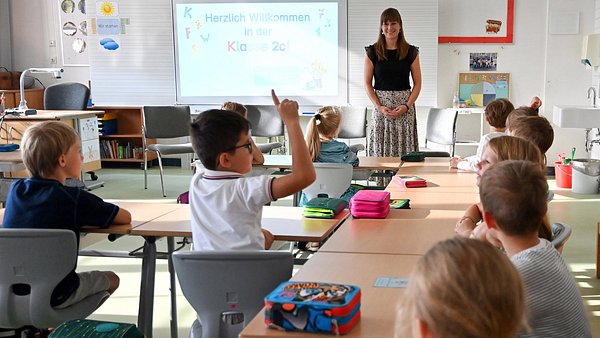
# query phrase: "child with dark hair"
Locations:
[[226, 207]]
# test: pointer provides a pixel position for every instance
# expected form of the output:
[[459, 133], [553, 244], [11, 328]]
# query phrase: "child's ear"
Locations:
[[62, 161], [423, 329], [489, 220], [224, 160]]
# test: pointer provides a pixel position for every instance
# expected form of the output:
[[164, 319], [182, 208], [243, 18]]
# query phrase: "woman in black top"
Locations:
[[390, 61]]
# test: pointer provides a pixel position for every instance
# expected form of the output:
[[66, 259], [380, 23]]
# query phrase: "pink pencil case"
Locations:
[[370, 204]]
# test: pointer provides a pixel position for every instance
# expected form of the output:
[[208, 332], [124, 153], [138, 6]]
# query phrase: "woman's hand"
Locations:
[[400, 110]]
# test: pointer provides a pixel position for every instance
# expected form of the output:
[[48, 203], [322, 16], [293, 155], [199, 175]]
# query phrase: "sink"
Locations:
[[576, 116]]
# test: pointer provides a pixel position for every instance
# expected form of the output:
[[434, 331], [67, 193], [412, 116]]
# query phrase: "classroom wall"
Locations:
[[540, 63]]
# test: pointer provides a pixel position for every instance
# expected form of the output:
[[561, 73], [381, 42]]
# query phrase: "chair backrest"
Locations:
[[32, 263], [265, 121], [354, 122], [560, 234], [217, 282], [66, 96], [332, 179], [441, 127], [167, 121]]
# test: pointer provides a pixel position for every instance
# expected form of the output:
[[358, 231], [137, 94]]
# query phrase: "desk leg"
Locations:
[[170, 249], [146, 306]]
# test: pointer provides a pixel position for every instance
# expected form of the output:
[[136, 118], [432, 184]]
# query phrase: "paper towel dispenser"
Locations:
[[590, 54]]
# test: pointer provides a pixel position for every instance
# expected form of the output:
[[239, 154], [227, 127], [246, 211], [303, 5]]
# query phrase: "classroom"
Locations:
[[539, 43]]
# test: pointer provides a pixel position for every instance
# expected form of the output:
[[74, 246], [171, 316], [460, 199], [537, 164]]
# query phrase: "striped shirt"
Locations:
[[555, 307]]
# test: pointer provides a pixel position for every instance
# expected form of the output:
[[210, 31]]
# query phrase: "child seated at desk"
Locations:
[[513, 216], [226, 207], [499, 149], [536, 129], [321, 132], [51, 153], [462, 288]]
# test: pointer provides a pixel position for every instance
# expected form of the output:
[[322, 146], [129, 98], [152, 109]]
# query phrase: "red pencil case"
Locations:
[[411, 181], [370, 204]]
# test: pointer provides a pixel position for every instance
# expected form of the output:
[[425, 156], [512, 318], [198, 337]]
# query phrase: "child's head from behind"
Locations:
[[536, 129], [47, 145], [508, 148], [220, 139], [514, 193], [497, 111], [325, 124], [519, 112], [459, 274], [236, 108]]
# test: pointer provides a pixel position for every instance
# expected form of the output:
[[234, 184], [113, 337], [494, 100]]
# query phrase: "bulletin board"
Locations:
[[479, 89], [476, 21], [73, 37]]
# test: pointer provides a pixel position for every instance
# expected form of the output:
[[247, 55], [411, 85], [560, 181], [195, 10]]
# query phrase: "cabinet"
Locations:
[[34, 98], [124, 142]]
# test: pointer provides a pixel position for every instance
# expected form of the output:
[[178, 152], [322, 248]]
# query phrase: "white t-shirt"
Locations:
[[470, 162], [226, 210], [553, 300]]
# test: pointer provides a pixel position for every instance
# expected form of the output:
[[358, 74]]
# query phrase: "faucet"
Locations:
[[593, 90]]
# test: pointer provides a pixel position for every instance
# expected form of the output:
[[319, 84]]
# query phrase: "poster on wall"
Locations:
[[479, 89], [73, 27]]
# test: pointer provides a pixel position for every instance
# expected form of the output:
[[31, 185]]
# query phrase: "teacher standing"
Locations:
[[391, 61]]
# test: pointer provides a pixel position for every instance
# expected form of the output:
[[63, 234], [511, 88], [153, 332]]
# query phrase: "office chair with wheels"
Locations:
[[165, 122], [441, 129], [266, 122], [32, 263], [68, 96], [227, 288], [560, 234]]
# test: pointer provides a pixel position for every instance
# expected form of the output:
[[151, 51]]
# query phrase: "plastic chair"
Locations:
[[32, 263], [266, 122], [354, 125], [332, 179], [441, 129], [560, 234], [165, 122], [227, 288]]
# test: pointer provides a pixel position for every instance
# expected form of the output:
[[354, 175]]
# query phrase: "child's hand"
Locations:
[[288, 109], [464, 227], [536, 102], [269, 238], [454, 162]]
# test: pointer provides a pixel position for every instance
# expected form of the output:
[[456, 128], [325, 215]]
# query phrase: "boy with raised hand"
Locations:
[[226, 206], [513, 195], [51, 152]]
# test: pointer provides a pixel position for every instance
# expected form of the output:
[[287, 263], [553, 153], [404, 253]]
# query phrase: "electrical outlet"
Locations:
[[53, 44], [53, 60]]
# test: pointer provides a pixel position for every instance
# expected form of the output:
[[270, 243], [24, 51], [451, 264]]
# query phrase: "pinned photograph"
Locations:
[[483, 62]]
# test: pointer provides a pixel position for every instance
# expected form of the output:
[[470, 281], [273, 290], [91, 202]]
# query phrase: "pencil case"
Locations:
[[370, 204], [313, 307], [411, 181], [324, 207], [95, 329]]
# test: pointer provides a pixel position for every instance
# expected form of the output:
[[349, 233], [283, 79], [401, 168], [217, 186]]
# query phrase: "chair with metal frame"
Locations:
[[354, 126], [165, 122], [560, 234], [441, 130], [266, 122]]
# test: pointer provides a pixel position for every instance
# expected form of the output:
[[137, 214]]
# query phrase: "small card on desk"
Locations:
[[411, 181]]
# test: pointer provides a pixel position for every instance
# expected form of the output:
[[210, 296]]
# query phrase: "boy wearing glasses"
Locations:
[[226, 206]]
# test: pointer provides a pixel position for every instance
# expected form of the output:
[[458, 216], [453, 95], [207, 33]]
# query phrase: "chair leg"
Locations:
[[145, 169], [162, 185]]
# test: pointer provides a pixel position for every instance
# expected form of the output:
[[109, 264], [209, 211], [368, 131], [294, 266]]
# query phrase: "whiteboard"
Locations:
[[141, 71]]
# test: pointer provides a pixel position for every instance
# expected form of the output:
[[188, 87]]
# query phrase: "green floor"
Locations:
[[579, 211]]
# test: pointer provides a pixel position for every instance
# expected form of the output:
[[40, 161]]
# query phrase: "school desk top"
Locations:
[[364, 162]]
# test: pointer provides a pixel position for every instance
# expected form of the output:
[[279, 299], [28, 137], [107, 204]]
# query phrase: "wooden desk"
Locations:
[[285, 223], [84, 122], [11, 161], [364, 162], [379, 306], [393, 235], [439, 162]]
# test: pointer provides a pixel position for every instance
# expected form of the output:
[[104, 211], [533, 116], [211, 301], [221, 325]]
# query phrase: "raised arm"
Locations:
[[303, 171]]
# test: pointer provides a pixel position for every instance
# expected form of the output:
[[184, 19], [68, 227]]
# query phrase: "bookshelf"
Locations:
[[121, 135]]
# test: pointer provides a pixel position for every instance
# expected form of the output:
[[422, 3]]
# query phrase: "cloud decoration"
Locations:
[[109, 44]]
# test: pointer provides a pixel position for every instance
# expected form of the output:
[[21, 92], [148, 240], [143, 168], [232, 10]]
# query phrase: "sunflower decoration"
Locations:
[[107, 8]]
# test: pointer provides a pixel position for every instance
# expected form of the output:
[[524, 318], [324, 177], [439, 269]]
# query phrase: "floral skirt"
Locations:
[[393, 136]]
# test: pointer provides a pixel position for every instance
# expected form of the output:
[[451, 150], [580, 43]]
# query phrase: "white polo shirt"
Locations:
[[226, 210], [470, 162]]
